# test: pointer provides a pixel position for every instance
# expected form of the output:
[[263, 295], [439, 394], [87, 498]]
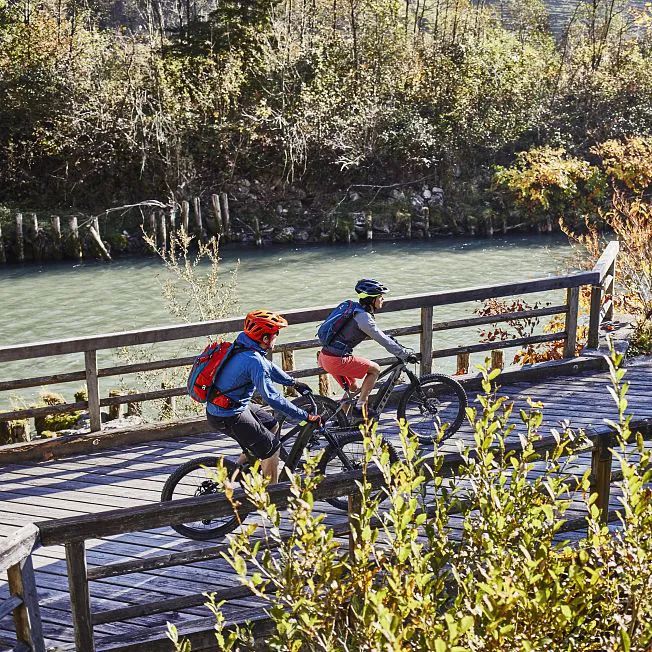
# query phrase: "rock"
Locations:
[[13, 432], [246, 183], [438, 196], [123, 423], [354, 196], [302, 236], [416, 201], [279, 209], [398, 194], [380, 228], [426, 194], [284, 235]]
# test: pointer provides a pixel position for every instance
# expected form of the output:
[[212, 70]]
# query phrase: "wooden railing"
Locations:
[[22, 603], [600, 279], [75, 531]]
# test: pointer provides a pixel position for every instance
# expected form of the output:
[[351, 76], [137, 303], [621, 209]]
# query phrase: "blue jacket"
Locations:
[[252, 369]]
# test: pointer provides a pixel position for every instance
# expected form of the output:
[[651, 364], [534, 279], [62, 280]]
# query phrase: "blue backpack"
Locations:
[[336, 321]]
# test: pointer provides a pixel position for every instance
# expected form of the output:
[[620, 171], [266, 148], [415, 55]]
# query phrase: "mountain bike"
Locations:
[[343, 451], [430, 404]]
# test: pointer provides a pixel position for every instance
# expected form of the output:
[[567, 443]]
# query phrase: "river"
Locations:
[[67, 300]]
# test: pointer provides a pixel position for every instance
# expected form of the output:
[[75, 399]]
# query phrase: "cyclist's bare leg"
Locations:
[[270, 467], [351, 390], [368, 383]]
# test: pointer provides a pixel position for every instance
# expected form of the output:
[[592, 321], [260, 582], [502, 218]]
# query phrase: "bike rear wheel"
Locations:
[[197, 478], [437, 400], [352, 446]]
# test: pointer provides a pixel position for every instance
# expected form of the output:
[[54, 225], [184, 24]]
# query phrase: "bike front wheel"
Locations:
[[438, 401], [197, 478], [351, 446]]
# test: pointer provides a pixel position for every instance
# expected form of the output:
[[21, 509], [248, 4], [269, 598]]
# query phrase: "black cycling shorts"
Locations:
[[252, 429]]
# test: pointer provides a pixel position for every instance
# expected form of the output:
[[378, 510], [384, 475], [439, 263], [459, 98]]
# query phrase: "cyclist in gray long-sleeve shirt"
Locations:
[[337, 357]]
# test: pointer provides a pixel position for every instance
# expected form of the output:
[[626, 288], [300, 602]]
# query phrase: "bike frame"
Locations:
[[304, 434], [393, 373]]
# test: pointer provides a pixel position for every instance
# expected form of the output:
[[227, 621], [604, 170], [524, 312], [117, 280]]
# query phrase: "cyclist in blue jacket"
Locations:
[[247, 369]]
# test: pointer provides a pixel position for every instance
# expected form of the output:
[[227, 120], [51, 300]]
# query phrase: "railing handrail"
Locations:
[[296, 316], [136, 519], [18, 546], [606, 260]]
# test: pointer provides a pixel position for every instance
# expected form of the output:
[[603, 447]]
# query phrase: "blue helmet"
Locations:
[[368, 287]]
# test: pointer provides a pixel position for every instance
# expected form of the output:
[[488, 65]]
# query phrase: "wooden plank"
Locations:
[[200, 632], [79, 595], [9, 604], [593, 339], [573, 302], [425, 344], [93, 389], [174, 559], [18, 546], [505, 344], [42, 411], [145, 366], [53, 379], [27, 617], [496, 319], [297, 316], [601, 460], [609, 289], [172, 604]]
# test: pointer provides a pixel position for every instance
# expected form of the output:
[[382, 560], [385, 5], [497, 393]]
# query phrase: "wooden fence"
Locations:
[[600, 280], [73, 533]]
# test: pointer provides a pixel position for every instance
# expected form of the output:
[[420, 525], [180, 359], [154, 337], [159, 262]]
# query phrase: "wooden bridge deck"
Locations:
[[88, 484]]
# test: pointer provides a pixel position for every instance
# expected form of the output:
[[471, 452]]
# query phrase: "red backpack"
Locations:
[[205, 369]]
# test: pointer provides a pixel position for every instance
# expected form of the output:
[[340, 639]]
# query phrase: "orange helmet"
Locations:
[[261, 323]]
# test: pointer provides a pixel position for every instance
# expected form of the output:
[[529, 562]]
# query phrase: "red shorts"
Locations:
[[344, 369]]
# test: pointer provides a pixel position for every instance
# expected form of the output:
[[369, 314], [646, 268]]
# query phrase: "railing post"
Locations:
[[463, 363], [497, 359], [426, 341], [355, 507], [287, 362], [27, 616], [324, 382], [593, 340], [572, 304], [601, 458], [93, 389], [609, 290], [80, 599]]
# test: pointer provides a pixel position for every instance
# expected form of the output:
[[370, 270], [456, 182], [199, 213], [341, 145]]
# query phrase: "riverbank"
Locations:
[[250, 214]]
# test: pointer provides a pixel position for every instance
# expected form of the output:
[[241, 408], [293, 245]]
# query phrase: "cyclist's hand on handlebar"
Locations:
[[302, 388], [411, 357], [316, 419]]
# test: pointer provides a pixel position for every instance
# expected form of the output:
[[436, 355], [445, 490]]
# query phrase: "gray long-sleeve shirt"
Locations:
[[363, 326]]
